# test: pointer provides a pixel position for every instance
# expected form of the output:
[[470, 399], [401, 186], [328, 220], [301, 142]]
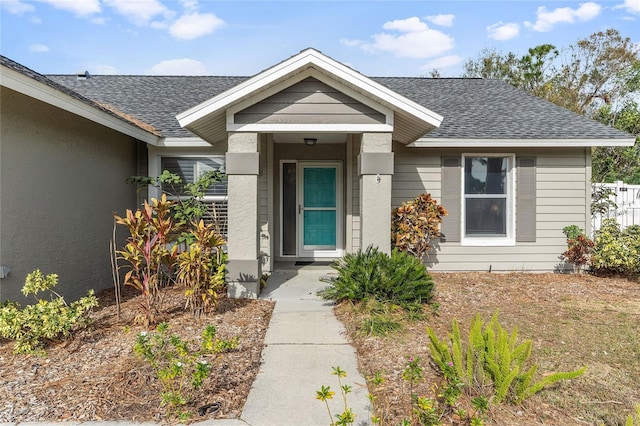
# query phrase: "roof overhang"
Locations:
[[28, 86], [517, 143], [212, 119]]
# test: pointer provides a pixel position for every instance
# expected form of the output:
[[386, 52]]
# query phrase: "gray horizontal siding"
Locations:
[[263, 208], [355, 196], [309, 102], [560, 201]]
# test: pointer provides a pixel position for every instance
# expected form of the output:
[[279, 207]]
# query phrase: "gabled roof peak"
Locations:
[[290, 70]]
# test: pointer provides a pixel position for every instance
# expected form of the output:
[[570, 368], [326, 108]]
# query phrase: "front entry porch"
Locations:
[[314, 202], [342, 193]]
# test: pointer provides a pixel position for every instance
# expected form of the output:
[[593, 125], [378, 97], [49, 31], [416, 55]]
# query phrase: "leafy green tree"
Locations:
[[492, 64], [610, 164], [599, 70], [598, 76]]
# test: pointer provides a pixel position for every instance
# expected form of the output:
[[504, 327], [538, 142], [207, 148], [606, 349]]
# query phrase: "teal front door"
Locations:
[[320, 209]]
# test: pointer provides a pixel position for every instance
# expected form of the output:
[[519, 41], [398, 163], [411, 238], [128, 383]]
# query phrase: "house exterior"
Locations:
[[63, 164], [317, 154]]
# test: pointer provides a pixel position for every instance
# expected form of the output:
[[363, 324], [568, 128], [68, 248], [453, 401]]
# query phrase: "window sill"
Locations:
[[488, 242]]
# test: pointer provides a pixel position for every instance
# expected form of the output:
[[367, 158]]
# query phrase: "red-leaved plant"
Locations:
[[149, 254], [579, 248], [415, 224]]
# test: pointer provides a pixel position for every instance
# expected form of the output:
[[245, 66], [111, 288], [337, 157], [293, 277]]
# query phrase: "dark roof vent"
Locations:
[[83, 75]]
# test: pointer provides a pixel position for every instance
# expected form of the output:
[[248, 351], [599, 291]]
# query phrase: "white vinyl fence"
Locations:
[[626, 198]]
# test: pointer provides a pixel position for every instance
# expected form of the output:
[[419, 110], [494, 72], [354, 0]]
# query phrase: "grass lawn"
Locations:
[[572, 320]]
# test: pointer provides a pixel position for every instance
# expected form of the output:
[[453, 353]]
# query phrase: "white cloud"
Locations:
[[195, 25], [502, 32], [183, 66], [16, 7], [189, 5], [140, 12], [39, 48], [416, 40], [442, 20], [547, 20], [409, 25], [102, 69], [349, 42], [79, 8], [443, 62], [631, 6]]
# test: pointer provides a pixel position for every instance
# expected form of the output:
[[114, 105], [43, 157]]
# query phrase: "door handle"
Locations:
[[299, 208]]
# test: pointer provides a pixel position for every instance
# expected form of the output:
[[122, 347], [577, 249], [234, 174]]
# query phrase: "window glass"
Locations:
[[486, 217], [190, 169], [485, 175], [486, 194]]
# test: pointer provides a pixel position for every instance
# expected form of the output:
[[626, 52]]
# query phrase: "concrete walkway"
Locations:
[[303, 342]]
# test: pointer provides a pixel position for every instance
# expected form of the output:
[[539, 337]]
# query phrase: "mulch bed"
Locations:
[[95, 375], [572, 320]]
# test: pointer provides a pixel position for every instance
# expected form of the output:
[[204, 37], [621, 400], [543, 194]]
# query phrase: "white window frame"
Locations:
[[155, 169], [509, 239]]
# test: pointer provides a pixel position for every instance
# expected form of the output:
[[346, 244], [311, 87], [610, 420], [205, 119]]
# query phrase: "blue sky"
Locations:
[[377, 38]]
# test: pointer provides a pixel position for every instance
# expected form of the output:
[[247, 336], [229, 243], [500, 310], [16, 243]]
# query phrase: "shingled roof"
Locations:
[[472, 108], [103, 106]]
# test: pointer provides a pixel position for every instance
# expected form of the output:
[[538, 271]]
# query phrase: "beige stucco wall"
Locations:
[[61, 177], [562, 198]]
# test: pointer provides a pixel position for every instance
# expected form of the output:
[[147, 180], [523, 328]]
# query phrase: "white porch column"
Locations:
[[375, 168], [242, 168]]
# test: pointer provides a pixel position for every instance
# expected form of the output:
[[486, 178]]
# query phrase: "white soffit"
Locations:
[[309, 58]]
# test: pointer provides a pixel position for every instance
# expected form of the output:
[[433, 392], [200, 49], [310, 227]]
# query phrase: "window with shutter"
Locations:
[[487, 205], [488, 192], [190, 169]]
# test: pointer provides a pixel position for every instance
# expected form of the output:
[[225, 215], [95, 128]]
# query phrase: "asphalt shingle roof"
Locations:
[[493, 109], [155, 100], [472, 108], [88, 100]]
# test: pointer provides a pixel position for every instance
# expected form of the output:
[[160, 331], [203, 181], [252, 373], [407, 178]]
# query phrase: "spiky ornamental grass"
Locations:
[[492, 357]]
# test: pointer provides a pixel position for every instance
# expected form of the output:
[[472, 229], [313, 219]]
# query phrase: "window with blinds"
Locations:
[[190, 169]]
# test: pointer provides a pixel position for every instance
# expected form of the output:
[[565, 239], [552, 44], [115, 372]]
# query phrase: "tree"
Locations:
[[598, 76], [492, 64], [529, 72], [599, 70], [610, 164]]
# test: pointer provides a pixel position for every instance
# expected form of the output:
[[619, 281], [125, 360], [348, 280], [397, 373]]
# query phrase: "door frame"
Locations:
[[340, 210]]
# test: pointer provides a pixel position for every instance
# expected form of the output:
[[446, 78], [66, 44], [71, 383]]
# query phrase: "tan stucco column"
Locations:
[[375, 168], [242, 168]]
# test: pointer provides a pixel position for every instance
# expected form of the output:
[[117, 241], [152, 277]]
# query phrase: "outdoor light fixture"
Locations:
[[310, 141]]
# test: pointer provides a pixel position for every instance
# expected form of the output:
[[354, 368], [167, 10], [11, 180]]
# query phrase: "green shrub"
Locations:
[[178, 365], [616, 251], [51, 319], [629, 421], [492, 357], [399, 278]]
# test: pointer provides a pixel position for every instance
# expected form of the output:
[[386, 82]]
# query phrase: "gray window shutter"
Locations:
[[451, 198], [526, 199]]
